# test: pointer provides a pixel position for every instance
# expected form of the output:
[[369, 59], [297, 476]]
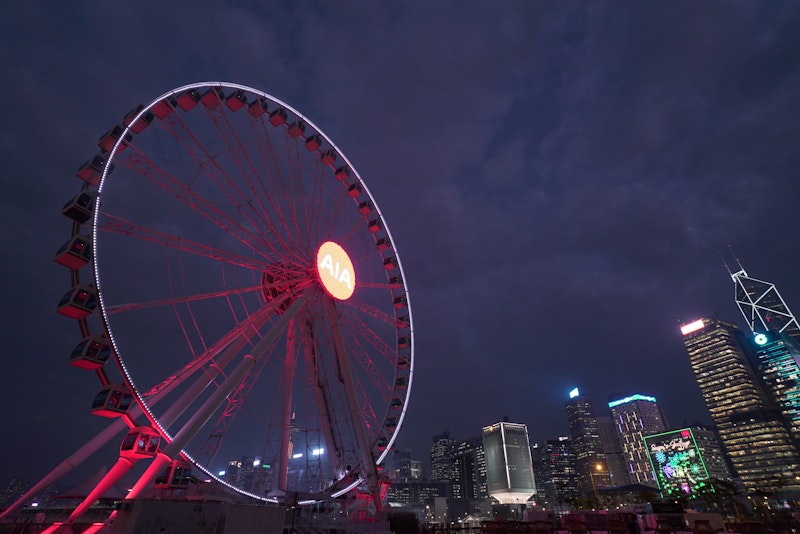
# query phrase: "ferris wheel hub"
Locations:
[[281, 283]]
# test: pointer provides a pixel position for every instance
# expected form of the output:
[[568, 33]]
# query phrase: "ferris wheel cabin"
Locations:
[[257, 107], [188, 99], [91, 171], [75, 253], [80, 207], [91, 353], [112, 401], [177, 475], [143, 122], [110, 138], [141, 442], [79, 302]]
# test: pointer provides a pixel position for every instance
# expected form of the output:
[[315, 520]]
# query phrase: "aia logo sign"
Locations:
[[335, 271]]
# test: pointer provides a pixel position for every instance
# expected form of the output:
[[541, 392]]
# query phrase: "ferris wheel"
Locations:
[[239, 297]]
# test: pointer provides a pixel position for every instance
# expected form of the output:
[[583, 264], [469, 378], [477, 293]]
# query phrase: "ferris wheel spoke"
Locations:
[[273, 172], [138, 162], [371, 311], [281, 192], [287, 380], [118, 225], [322, 398], [367, 410], [312, 206], [119, 308], [359, 332], [365, 361], [218, 175], [297, 209], [377, 285], [214, 369], [235, 339], [235, 403], [357, 424], [247, 169], [340, 209]]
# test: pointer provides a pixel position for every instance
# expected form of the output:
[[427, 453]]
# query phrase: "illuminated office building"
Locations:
[[554, 466], [777, 360], [403, 468], [442, 458], [635, 417], [590, 461], [509, 470], [752, 430], [469, 470], [714, 457], [612, 449]]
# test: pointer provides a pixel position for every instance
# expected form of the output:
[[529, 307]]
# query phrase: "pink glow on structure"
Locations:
[[692, 327]]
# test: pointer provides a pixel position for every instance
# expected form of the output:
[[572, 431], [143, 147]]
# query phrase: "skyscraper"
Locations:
[[442, 458], [554, 465], [590, 462], [635, 417], [612, 449], [509, 471], [401, 465], [708, 442], [469, 470], [777, 360], [752, 430]]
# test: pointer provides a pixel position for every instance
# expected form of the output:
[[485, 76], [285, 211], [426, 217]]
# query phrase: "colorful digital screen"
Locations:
[[677, 462]]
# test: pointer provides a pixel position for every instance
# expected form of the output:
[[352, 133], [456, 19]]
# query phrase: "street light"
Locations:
[[599, 468]]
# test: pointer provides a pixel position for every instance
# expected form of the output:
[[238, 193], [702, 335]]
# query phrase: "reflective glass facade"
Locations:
[[590, 462], [469, 470], [442, 458], [752, 431], [778, 364], [554, 464]]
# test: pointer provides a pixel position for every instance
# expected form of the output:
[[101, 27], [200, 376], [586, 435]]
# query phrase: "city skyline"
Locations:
[[560, 181]]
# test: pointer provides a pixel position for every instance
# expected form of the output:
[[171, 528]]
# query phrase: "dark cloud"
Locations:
[[559, 180]]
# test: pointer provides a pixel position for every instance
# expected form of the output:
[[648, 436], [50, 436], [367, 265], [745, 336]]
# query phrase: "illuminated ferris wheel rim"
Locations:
[[139, 397]]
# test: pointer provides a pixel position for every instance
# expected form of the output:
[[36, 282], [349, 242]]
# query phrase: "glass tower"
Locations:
[[442, 458], [752, 430], [554, 463], [777, 358], [590, 461], [469, 470], [509, 470]]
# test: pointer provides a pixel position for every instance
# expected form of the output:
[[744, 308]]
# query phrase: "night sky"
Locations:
[[560, 179]]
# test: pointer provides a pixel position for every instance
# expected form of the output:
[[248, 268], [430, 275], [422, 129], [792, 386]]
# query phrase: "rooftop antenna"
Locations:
[[741, 270]]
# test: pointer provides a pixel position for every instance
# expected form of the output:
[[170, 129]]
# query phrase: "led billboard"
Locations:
[[677, 462]]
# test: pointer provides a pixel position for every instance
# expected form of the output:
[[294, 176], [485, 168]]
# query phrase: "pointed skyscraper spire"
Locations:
[[761, 304]]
